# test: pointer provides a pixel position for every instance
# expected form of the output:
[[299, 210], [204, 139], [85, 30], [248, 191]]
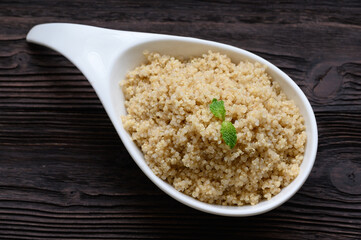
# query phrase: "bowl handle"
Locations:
[[92, 50]]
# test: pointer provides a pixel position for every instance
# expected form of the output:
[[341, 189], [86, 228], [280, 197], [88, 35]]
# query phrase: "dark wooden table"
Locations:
[[64, 173]]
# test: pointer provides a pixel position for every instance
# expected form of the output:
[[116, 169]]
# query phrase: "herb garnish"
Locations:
[[228, 131]]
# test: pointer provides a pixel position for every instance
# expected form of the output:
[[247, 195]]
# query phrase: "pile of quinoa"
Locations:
[[167, 100]]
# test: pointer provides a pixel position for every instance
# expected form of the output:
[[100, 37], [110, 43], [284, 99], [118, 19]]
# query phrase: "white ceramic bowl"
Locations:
[[104, 56]]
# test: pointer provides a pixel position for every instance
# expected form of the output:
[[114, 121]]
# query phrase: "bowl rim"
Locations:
[[246, 210]]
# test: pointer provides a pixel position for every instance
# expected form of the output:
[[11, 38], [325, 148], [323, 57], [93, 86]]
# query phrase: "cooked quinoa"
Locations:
[[167, 100]]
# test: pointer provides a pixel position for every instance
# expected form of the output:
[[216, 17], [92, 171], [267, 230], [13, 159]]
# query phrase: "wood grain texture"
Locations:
[[64, 173]]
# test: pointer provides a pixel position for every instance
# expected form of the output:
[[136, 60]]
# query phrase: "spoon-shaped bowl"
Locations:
[[104, 56]]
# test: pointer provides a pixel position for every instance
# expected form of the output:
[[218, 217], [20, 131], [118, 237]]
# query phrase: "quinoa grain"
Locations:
[[167, 100]]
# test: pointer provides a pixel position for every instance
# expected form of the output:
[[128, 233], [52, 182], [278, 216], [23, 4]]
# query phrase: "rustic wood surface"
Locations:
[[64, 173]]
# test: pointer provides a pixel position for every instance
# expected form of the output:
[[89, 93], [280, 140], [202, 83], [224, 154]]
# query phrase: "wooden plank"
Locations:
[[66, 175]]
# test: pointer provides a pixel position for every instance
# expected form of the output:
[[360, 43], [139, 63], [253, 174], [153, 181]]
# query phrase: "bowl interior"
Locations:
[[188, 47]]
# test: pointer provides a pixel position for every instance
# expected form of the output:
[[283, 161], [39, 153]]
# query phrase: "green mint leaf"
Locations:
[[229, 134], [228, 131], [217, 108]]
